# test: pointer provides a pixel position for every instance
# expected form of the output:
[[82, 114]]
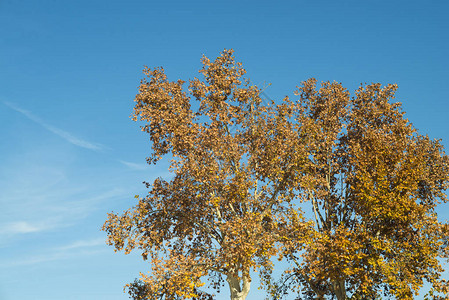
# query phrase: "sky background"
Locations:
[[69, 71]]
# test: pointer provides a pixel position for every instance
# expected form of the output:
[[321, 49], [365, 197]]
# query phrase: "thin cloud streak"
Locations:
[[79, 248], [63, 134], [84, 244], [59, 255], [134, 166], [20, 227]]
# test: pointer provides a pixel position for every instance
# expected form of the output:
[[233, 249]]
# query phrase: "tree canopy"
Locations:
[[244, 171]]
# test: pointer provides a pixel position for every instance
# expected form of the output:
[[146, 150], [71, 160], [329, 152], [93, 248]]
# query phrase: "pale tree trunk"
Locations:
[[339, 289], [238, 292]]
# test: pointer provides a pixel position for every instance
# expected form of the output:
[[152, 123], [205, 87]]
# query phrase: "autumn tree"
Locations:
[[214, 219], [373, 183], [244, 171]]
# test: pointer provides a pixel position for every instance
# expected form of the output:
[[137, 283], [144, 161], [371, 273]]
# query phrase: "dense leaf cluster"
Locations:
[[242, 171]]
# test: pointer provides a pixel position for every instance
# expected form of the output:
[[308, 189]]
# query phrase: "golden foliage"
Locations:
[[242, 170], [373, 183]]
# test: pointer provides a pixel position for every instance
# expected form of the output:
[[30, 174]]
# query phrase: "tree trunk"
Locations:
[[238, 292], [340, 289]]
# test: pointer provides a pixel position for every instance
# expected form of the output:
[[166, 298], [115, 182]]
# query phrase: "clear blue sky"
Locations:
[[69, 71]]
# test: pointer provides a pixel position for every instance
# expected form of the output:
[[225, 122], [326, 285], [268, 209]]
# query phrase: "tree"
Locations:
[[373, 183], [243, 171], [213, 219]]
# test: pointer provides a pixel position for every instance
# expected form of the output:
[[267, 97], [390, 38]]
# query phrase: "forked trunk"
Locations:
[[238, 292]]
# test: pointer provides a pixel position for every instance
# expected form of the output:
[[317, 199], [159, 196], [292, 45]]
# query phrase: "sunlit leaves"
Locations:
[[242, 170], [373, 183], [216, 218]]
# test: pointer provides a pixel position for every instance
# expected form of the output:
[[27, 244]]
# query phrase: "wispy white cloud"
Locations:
[[61, 133], [83, 206], [14, 231], [134, 166], [83, 244], [21, 227], [69, 251], [54, 208]]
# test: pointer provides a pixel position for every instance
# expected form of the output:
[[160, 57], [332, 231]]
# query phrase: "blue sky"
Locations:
[[69, 71]]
